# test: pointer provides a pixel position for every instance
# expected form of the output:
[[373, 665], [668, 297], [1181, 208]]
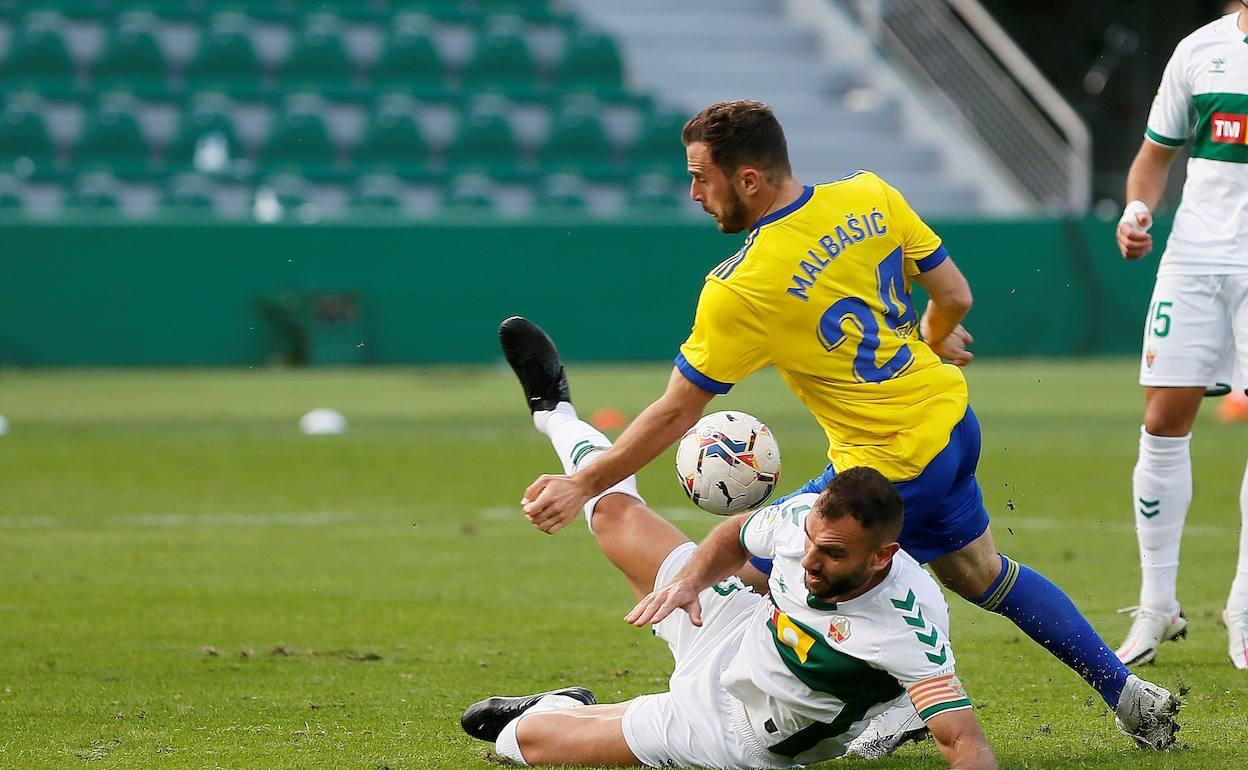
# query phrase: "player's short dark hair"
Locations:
[[741, 133], [864, 494]]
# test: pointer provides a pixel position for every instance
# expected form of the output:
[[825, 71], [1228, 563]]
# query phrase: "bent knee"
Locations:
[[570, 738], [1167, 425], [1171, 411], [533, 734], [612, 509], [971, 578]]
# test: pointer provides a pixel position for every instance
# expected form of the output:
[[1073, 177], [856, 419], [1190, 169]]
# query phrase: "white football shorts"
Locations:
[[697, 723], [1196, 330]]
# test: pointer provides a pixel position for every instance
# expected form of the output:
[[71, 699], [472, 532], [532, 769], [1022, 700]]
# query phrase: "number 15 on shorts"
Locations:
[[1159, 319]]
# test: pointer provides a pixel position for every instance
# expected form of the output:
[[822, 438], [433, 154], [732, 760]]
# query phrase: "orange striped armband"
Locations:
[[938, 695]]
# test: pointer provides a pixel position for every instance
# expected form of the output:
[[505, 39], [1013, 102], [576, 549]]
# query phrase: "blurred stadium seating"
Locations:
[[417, 107]]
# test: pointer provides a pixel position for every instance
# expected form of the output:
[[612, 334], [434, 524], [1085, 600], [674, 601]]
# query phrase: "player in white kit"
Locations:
[[852, 627], [1197, 323]]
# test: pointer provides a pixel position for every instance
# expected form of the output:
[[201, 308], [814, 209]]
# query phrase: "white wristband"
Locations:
[[1128, 215]]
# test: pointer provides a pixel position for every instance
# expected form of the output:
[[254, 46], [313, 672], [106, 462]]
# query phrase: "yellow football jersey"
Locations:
[[821, 291]]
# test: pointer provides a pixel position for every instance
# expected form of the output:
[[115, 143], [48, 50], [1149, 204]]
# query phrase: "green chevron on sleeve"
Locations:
[[942, 657]]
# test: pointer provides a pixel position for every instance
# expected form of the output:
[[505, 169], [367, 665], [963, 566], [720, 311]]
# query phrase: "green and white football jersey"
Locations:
[[810, 674], [1204, 98]]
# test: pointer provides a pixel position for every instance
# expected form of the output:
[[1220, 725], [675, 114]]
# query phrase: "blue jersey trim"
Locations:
[[700, 379], [807, 192], [726, 267], [933, 260]]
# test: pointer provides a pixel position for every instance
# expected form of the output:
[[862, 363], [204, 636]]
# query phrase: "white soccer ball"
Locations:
[[728, 462]]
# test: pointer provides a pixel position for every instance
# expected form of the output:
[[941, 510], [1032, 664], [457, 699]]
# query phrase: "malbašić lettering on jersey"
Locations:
[[827, 331]]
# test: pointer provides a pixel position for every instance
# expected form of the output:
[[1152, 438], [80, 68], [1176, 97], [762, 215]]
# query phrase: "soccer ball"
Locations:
[[728, 462]]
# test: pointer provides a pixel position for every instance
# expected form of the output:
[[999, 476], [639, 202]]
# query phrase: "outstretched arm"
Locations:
[[553, 501], [717, 557], [961, 741]]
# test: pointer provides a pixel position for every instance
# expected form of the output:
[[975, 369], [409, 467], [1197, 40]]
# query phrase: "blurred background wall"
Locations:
[[192, 182]]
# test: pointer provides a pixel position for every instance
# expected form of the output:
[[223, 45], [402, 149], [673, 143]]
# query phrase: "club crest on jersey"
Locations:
[[838, 629], [1150, 355], [1219, 65]]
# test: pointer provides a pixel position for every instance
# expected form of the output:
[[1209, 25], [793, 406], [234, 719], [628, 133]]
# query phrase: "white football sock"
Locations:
[[1237, 602], [554, 702], [508, 744], [1162, 491], [562, 411], [578, 445]]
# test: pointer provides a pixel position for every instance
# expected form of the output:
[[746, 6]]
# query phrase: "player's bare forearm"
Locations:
[[939, 321], [971, 755], [654, 430], [551, 502], [719, 555], [950, 300], [962, 741], [1146, 181]]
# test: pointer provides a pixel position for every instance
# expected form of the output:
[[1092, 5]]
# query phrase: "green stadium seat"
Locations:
[[393, 137], [577, 136], [501, 57], [23, 134], [484, 136], [410, 55], [655, 192], [378, 193], [132, 53], [470, 193], [590, 60], [209, 116], [10, 195], [483, 13], [291, 191], [225, 53], [281, 196], [188, 193], [300, 137], [94, 192], [39, 52], [113, 137], [360, 10], [659, 141], [563, 193], [319, 55]]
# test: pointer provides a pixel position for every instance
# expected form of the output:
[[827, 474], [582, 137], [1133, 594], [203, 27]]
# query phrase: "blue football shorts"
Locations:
[[944, 506]]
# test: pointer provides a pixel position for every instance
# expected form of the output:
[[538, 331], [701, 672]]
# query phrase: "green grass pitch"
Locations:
[[187, 582]]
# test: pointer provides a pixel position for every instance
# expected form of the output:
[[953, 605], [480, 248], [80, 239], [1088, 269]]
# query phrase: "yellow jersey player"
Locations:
[[821, 291]]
